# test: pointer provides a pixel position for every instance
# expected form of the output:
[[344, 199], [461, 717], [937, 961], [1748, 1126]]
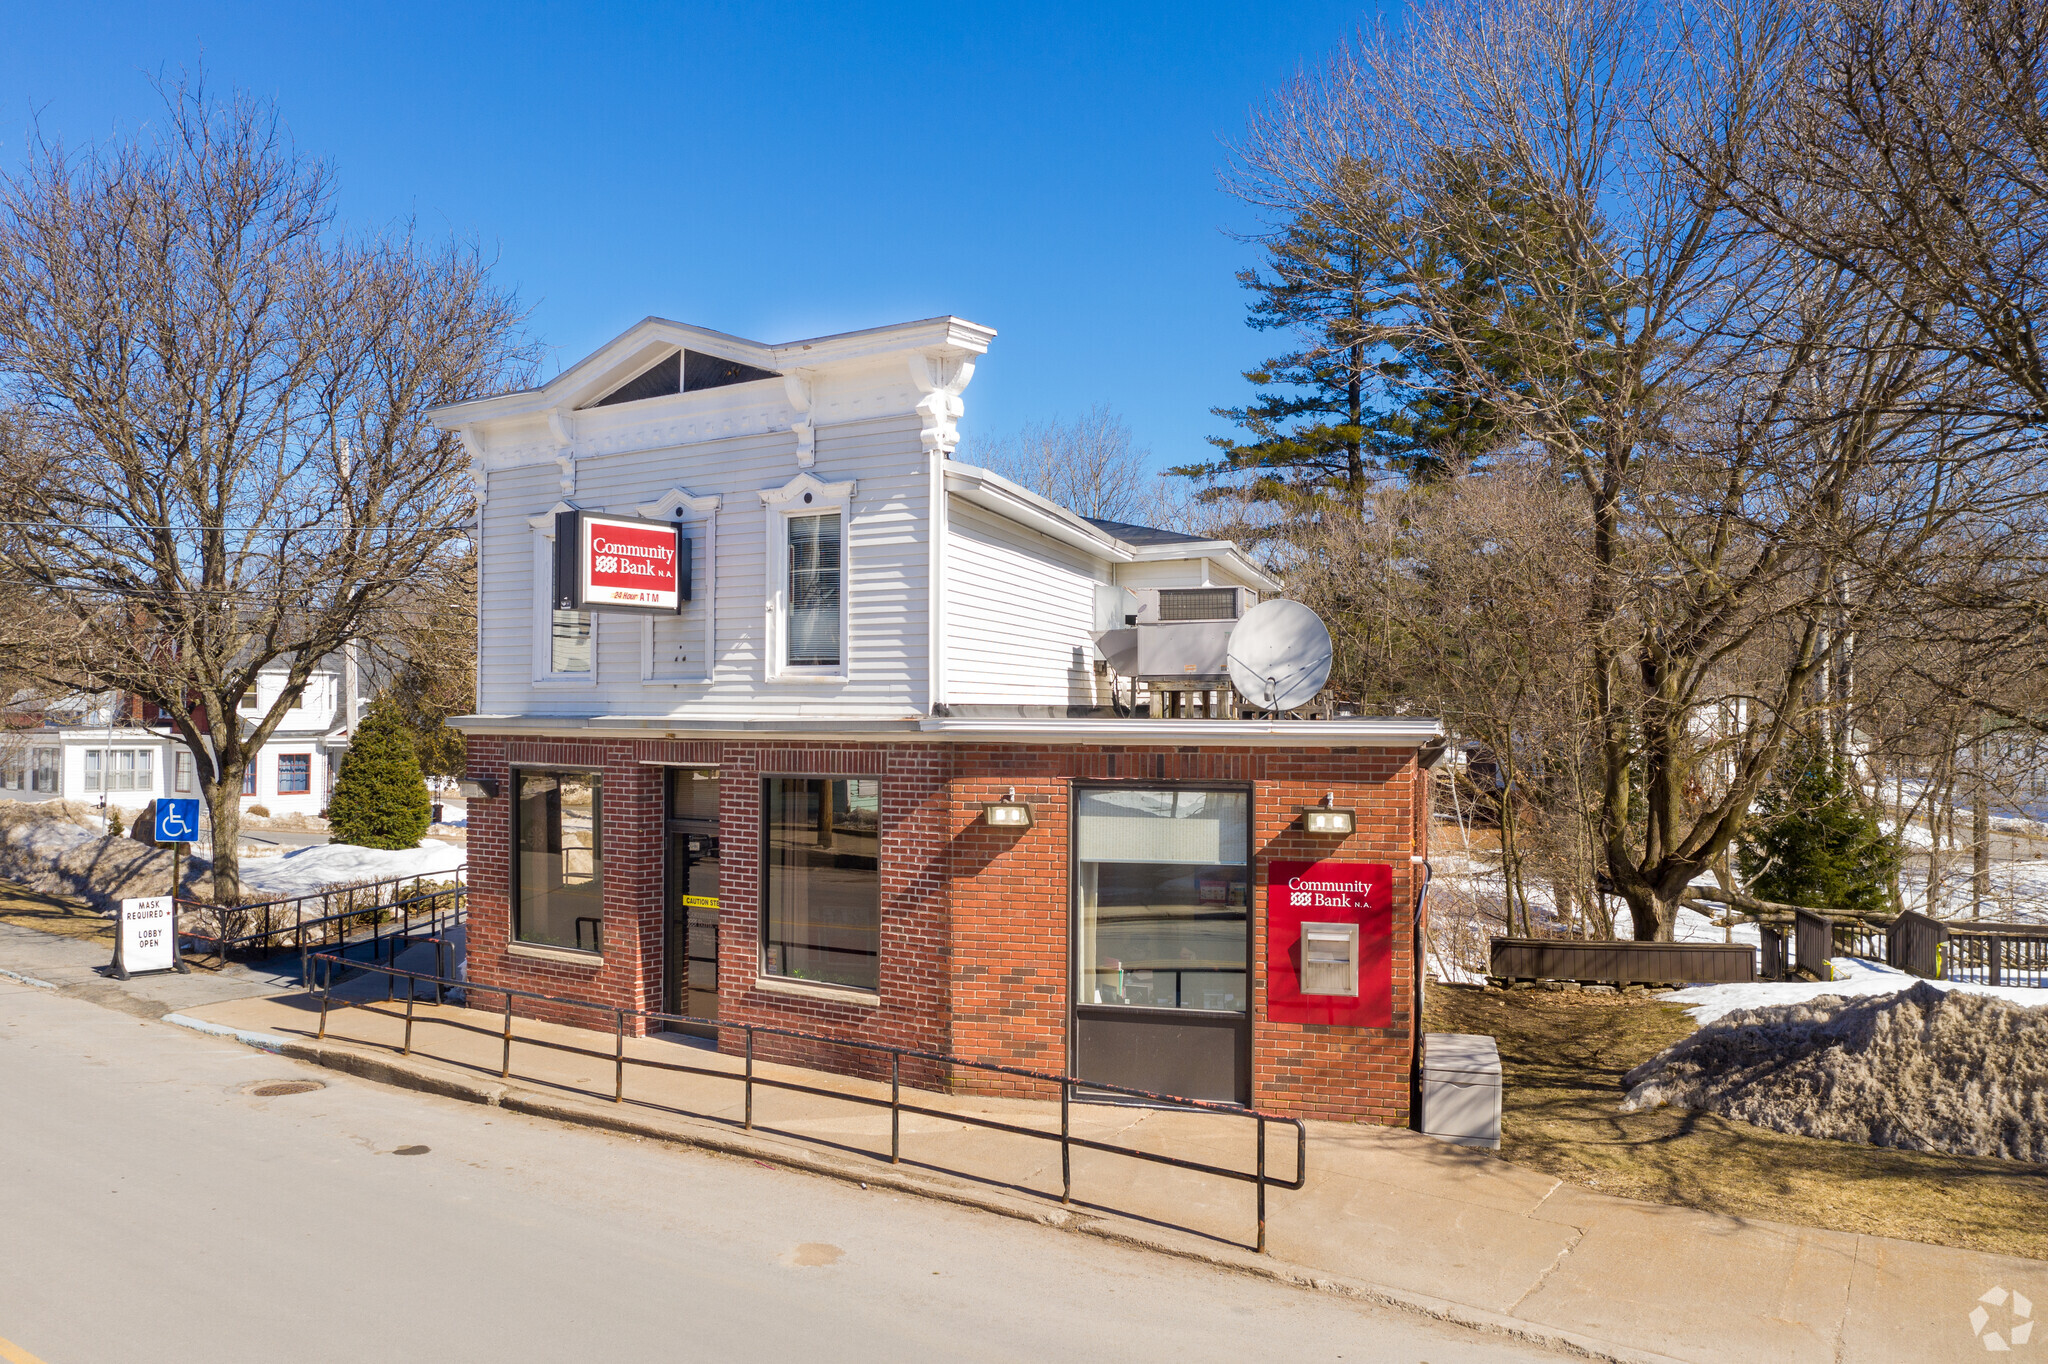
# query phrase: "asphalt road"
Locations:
[[151, 1208]]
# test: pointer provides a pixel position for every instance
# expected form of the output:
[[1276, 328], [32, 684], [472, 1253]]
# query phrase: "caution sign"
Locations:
[[147, 939]]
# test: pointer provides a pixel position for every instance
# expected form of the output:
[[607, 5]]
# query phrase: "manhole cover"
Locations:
[[410, 1150], [277, 1089]]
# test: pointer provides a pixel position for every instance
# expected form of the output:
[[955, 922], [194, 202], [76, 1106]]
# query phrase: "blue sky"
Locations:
[[775, 171]]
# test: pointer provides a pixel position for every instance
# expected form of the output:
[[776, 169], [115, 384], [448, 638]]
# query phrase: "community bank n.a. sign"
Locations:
[[620, 563]]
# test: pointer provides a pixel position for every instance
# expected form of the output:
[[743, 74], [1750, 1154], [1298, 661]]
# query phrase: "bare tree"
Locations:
[[1088, 465], [1760, 453], [218, 464]]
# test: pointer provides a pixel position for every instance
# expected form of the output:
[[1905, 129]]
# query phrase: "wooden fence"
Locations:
[[1996, 954], [1621, 963]]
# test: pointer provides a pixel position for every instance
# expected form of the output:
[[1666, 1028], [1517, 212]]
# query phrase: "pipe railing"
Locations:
[[445, 907], [1258, 1176]]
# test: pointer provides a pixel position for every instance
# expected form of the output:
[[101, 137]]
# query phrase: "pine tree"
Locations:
[[1812, 841], [1369, 394], [380, 799]]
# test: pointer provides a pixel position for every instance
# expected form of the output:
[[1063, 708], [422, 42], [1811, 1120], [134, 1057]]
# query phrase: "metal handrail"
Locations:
[[1258, 1177], [223, 942]]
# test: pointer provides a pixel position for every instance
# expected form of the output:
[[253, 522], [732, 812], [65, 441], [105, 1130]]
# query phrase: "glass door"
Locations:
[[1162, 939], [691, 970]]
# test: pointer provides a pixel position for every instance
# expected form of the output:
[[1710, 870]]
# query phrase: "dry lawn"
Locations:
[[53, 914], [1563, 1055]]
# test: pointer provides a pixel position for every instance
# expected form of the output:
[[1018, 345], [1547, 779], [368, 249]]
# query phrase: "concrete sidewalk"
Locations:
[[1386, 1213]]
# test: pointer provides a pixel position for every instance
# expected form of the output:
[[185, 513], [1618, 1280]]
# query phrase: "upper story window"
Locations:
[[810, 571], [564, 642], [569, 641], [815, 589]]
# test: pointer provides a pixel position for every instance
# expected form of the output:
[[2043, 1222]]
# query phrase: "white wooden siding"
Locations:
[[888, 552], [1020, 615]]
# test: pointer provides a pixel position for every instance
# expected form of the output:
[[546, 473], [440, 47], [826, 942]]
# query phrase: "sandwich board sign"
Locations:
[[147, 938]]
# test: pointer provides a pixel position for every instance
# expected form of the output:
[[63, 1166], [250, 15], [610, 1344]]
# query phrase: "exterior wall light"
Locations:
[[1008, 813], [1326, 819], [477, 788]]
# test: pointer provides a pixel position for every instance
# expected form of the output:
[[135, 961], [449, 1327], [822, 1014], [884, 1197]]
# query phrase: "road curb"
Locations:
[[262, 1041], [19, 978], [868, 1173]]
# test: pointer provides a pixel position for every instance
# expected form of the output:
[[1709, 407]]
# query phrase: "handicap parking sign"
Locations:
[[177, 821]]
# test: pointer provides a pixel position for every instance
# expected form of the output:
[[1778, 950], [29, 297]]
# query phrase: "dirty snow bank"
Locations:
[[339, 864], [1854, 977], [1923, 1069]]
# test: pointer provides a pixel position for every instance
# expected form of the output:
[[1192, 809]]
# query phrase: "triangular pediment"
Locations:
[[684, 371]]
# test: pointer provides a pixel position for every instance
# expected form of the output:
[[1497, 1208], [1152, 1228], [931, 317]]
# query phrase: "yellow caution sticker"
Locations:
[[700, 902]]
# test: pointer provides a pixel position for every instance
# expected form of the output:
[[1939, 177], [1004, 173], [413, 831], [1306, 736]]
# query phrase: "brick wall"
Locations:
[[975, 920]]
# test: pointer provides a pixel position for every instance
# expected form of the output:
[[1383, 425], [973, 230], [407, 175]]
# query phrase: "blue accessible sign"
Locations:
[[177, 821]]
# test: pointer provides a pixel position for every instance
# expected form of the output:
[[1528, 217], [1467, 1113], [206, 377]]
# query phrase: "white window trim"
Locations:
[[543, 608], [780, 504], [699, 514]]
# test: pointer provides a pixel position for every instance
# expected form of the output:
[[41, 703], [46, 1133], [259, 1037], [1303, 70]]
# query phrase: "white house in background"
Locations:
[[75, 754]]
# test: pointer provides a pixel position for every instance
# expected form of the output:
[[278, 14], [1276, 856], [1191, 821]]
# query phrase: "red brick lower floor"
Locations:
[[1164, 920]]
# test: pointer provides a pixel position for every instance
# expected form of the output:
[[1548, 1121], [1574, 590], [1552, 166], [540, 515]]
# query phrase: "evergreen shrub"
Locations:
[[380, 798]]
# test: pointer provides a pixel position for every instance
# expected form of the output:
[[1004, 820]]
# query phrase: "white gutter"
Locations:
[[1007, 500]]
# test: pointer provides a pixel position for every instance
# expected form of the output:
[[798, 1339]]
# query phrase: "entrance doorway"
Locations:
[[1162, 939], [690, 934]]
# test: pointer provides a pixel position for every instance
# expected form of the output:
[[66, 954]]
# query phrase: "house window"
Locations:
[[249, 698], [181, 772], [14, 771], [43, 771], [558, 859], [1164, 879], [814, 590], [821, 916], [298, 698], [120, 769], [294, 774], [249, 778]]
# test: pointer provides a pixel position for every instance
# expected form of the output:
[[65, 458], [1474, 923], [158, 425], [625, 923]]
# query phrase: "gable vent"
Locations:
[[683, 372]]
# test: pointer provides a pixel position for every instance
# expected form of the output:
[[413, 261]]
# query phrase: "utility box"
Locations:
[[1461, 1089], [1329, 959]]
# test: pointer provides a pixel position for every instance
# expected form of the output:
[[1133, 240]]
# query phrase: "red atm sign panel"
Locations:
[[1360, 893], [619, 563]]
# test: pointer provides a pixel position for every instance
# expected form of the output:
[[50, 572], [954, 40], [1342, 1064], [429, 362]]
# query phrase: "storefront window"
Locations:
[[1164, 883], [822, 916], [558, 862]]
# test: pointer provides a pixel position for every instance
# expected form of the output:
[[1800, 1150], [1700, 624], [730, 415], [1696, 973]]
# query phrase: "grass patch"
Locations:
[[53, 914], [1563, 1055]]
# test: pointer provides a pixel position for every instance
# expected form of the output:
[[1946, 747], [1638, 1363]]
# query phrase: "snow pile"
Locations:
[[306, 870], [1854, 977], [1922, 1069], [61, 847]]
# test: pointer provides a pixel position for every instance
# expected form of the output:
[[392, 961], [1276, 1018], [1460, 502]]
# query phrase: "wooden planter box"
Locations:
[[1622, 962]]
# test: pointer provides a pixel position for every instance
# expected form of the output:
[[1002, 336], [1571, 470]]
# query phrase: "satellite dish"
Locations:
[[1279, 655]]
